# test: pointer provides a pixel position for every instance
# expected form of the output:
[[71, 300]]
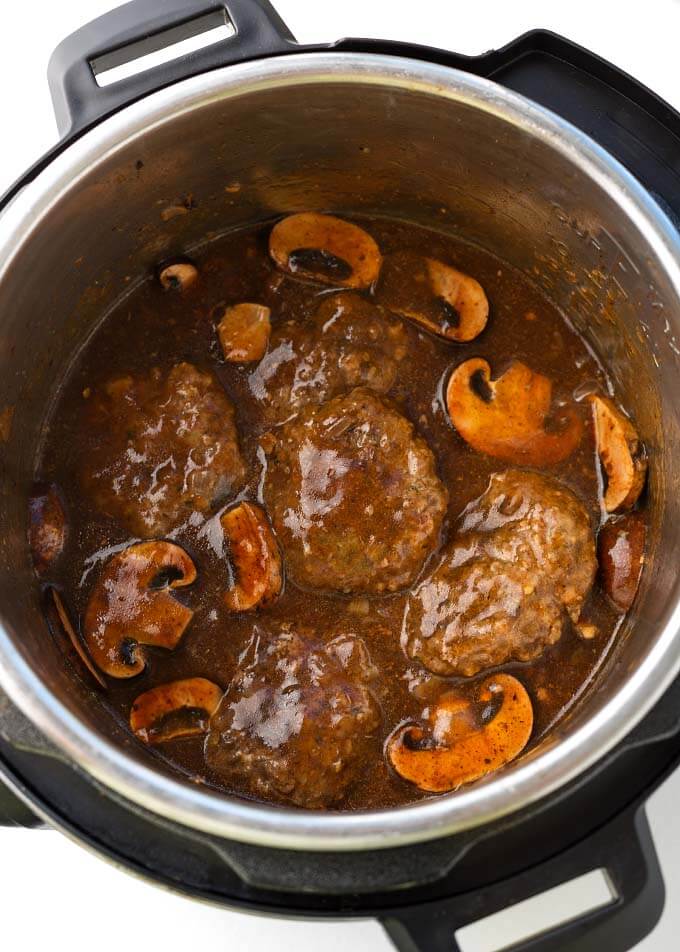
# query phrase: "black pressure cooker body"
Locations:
[[426, 892]]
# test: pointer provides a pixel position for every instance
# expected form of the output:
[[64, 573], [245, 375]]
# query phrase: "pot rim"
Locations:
[[518, 785]]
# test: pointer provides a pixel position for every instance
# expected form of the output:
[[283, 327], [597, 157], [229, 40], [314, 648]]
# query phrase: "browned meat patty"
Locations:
[[160, 448], [523, 559], [354, 496], [348, 343], [296, 722]]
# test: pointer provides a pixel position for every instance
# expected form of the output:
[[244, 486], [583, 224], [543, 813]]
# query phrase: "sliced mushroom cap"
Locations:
[[459, 745], [435, 295], [177, 275], [255, 556], [326, 249], [622, 456], [621, 554], [244, 332], [47, 526], [131, 605], [177, 709], [506, 418], [66, 628]]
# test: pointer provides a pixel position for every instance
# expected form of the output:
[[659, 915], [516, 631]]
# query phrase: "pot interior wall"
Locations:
[[352, 145]]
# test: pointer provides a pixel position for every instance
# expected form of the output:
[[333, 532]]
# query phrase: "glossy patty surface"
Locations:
[[354, 496], [521, 561], [161, 446], [298, 719]]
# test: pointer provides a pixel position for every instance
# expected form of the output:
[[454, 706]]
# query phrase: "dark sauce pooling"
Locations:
[[306, 646]]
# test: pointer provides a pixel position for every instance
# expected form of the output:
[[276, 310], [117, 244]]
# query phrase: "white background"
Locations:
[[54, 894]]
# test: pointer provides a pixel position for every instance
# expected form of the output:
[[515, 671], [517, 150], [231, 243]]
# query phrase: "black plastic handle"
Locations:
[[623, 848], [146, 26]]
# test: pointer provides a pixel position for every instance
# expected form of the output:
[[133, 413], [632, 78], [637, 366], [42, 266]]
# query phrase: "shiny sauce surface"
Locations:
[[156, 328]]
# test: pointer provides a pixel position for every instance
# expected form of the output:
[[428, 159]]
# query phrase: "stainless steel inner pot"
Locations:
[[351, 133]]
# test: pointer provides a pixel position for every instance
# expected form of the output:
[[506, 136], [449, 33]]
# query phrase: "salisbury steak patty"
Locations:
[[161, 446], [295, 724], [523, 557], [354, 496], [349, 342]]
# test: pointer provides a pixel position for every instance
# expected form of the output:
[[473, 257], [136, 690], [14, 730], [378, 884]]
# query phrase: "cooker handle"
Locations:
[[147, 26], [622, 849]]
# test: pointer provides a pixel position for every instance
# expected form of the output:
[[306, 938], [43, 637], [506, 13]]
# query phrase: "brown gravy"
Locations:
[[155, 328]]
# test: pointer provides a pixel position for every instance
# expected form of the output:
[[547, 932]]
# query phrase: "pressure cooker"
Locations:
[[540, 152]]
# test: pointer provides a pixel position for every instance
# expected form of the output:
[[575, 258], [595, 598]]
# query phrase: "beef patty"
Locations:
[[522, 560], [161, 447], [297, 720], [354, 496], [349, 342]]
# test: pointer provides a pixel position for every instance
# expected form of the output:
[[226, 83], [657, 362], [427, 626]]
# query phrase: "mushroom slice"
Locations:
[[244, 332], [255, 556], [506, 418], [326, 249], [435, 295], [459, 745], [47, 526], [70, 632], [130, 605], [621, 455], [621, 554], [177, 709], [177, 275]]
